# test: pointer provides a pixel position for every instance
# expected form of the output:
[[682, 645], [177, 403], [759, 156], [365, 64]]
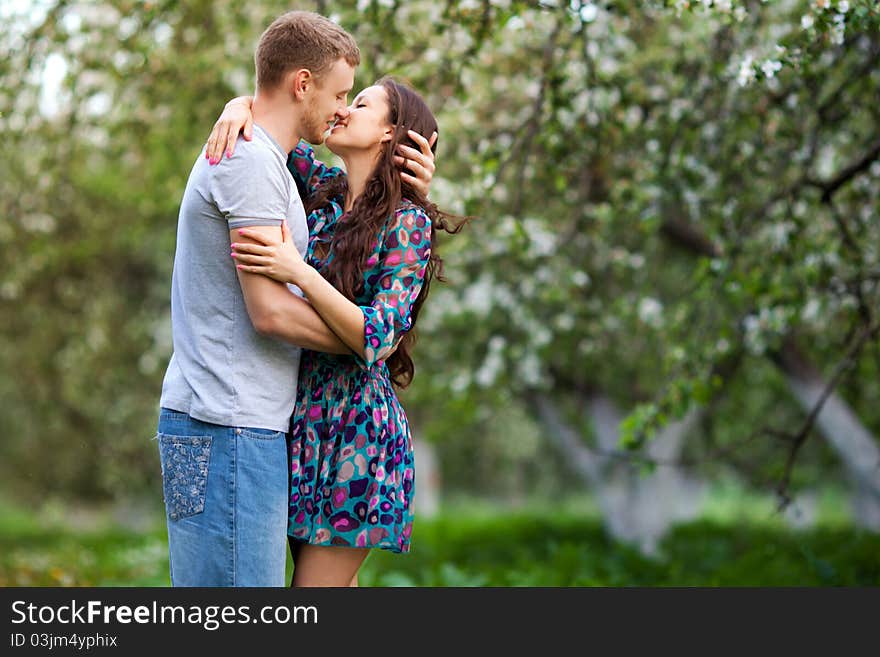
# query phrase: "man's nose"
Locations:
[[342, 113]]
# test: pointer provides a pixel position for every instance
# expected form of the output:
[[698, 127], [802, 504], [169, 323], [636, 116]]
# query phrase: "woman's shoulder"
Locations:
[[410, 215], [301, 157], [303, 161], [408, 228]]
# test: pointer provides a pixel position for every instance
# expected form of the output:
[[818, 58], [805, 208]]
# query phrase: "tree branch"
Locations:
[[829, 187], [842, 367]]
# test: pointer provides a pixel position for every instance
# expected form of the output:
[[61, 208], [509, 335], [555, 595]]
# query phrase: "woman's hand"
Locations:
[[420, 162], [278, 260], [236, 117]]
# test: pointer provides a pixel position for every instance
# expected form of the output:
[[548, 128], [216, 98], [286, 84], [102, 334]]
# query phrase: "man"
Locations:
[[230, 386]]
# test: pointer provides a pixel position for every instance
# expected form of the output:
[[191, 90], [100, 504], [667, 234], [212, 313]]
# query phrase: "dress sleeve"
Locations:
[[308, 172], [396, 271]]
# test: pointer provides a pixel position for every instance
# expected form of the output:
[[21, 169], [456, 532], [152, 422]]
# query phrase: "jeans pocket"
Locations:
[[184, 473], [261, 434]]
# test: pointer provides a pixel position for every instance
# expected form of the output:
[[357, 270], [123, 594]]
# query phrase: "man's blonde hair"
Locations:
[[301, 39]]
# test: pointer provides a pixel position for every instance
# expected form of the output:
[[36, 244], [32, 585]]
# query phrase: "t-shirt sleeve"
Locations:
[[309, 172], [397, 272], [252, 188]]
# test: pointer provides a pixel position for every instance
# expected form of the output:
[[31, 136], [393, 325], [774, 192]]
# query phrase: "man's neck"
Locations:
[[277, 120]]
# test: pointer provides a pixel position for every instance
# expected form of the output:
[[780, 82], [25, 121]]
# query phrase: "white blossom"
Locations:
[[38, 223], [746, 72], [650, 312], [589, 12], [754, 339], [777, 234], [580, 278], [810, 312], [493, 363], [770, 67], [10, 290], [542, 241], [529, 369], [477, 297], [838, 31], [460, 382], [565, 322]]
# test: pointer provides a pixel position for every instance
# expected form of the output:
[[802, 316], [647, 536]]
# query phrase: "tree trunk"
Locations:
[[847, 436], [841, 428], [641, 508], [427, 496], [636, 508]]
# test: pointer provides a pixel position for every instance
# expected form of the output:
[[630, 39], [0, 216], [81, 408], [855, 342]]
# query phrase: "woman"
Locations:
[[370, 261]]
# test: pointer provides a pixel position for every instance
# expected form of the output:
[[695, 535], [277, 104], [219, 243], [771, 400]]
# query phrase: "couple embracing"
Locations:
[[295, 292]]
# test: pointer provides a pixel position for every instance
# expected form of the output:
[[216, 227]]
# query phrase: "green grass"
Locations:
[[735, 544]]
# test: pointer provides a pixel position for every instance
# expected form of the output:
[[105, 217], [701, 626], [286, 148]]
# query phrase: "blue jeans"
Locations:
[[226, 501]]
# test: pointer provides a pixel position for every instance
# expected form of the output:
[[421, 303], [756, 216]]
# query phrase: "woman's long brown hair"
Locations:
[[356, 236]]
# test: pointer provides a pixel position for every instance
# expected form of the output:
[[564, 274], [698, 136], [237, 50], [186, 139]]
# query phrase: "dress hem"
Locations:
[[391, 547]]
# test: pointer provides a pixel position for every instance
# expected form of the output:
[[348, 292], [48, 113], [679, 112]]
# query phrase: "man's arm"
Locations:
[[276, 312]]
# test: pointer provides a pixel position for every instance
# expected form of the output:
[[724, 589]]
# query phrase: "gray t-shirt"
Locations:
[[222, 371]]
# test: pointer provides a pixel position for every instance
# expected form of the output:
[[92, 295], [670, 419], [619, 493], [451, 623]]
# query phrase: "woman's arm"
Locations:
[[417, 165], [236, 117], [373, 331], [308, 170], [342, 316], [277, 312], [282, 262]]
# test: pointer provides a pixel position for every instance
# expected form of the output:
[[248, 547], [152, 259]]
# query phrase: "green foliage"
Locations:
[[51, 548], [492, 547], [666, 192]]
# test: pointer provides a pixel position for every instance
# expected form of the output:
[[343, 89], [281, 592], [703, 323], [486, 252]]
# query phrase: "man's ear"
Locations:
[[300, 81]]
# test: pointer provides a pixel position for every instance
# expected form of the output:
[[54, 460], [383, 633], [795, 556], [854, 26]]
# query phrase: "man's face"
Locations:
[[327, 101]]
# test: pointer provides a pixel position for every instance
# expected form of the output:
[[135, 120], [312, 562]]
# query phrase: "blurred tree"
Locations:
[[677, 207]]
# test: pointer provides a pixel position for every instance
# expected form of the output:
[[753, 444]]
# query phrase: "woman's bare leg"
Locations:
[[354, 581], [294, 553], [321, 565]]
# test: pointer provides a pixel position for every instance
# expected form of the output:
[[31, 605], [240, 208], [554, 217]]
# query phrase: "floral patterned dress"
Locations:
[[351, 456]]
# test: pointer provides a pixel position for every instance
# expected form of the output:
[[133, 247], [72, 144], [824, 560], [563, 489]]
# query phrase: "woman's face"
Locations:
[[366, 125]]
